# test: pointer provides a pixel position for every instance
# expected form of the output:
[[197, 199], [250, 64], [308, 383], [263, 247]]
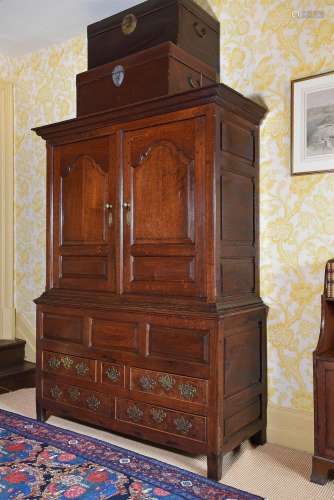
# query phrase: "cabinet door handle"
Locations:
[[109, 208], [127, 207]]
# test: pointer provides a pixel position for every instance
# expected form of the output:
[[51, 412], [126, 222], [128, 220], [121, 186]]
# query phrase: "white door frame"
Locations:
[[7, 310]]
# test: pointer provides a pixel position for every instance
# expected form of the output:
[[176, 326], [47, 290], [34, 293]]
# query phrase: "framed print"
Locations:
[[312, 124]]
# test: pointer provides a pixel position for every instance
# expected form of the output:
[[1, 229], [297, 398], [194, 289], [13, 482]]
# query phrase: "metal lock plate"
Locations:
[[118, 75], [129, 24]]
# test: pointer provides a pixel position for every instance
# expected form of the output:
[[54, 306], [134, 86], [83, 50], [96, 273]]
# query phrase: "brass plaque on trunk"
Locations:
[[129, 24]]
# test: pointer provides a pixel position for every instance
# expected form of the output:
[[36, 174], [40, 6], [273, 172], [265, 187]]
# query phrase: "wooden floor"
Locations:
[[272, 471]]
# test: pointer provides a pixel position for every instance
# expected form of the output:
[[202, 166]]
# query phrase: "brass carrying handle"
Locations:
[[127, 207], [200, 31], [195, 84]]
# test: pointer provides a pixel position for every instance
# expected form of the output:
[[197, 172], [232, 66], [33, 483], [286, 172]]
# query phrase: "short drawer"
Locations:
[[168, 385], [69, 366], [112, 374], [87, 399], [161, 419]]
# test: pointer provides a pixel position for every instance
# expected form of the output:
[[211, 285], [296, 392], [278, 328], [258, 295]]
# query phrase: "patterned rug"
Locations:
[[43, 461]]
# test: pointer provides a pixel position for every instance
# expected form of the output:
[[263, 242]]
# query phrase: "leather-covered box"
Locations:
[[151, 23], [162, 70]]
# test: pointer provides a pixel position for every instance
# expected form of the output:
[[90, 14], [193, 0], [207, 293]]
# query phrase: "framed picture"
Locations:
[[312, 124]]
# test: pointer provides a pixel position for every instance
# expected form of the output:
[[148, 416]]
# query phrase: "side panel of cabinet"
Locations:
[[325, 407], [163, 210], [84, 224]]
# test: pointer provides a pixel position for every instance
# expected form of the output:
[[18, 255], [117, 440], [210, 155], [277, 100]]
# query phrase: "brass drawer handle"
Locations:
[[113, 374], [54, 363], [56, 392], [188, 391], [147, 383], [67, 362], [74, 393], [134, 413], [81, 369], [93, 403], [167, 382], [200, 30], [182, 425], [158, 415]]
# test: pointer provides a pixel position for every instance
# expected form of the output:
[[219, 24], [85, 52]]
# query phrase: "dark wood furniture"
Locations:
[[323, 373], [15, 373], [155, 72], [151, 324], [151, 23]]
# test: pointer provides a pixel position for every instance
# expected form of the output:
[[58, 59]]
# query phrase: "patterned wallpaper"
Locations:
[[262, 48]]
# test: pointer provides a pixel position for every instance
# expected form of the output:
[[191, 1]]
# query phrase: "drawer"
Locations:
[[112, 374], [62, 327], [186, 344], [168, 385], [86, 399], [69, 366], [161, 419]]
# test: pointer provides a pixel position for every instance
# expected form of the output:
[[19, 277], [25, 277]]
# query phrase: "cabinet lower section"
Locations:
[[191, 381]]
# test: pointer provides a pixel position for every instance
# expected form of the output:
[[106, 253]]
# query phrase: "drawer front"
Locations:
[[168, 385], [177, 343], [161, 419], [86, 399], [112, 374], [69, 366], [62, 327], [109, 335]]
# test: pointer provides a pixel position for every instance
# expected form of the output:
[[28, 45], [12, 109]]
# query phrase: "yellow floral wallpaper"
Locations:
[[263, 47]]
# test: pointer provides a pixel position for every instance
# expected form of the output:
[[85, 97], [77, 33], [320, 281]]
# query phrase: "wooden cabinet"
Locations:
[[151, 324], [323, 373]]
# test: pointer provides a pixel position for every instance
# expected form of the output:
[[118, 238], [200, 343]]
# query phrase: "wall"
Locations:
[[262, 48], [44, 93]]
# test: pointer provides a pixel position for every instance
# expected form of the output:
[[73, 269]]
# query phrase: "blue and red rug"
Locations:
[[43, 461]]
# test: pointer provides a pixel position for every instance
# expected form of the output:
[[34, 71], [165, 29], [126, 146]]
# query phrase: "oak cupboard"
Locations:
[[151, 323]]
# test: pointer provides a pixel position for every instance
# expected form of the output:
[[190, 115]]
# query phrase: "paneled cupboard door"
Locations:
[[163, 207], [84, 217]]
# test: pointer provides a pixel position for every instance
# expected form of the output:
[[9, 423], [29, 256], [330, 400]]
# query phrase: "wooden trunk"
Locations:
[[155, 72], [151, 23], [151, 324]]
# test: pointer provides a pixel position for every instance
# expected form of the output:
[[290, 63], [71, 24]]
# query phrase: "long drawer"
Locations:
[[87, 399], [161, 419], [69, 366], [170, 386]]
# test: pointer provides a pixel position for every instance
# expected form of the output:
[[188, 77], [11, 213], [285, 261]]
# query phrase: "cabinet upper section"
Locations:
[[163, 206]]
